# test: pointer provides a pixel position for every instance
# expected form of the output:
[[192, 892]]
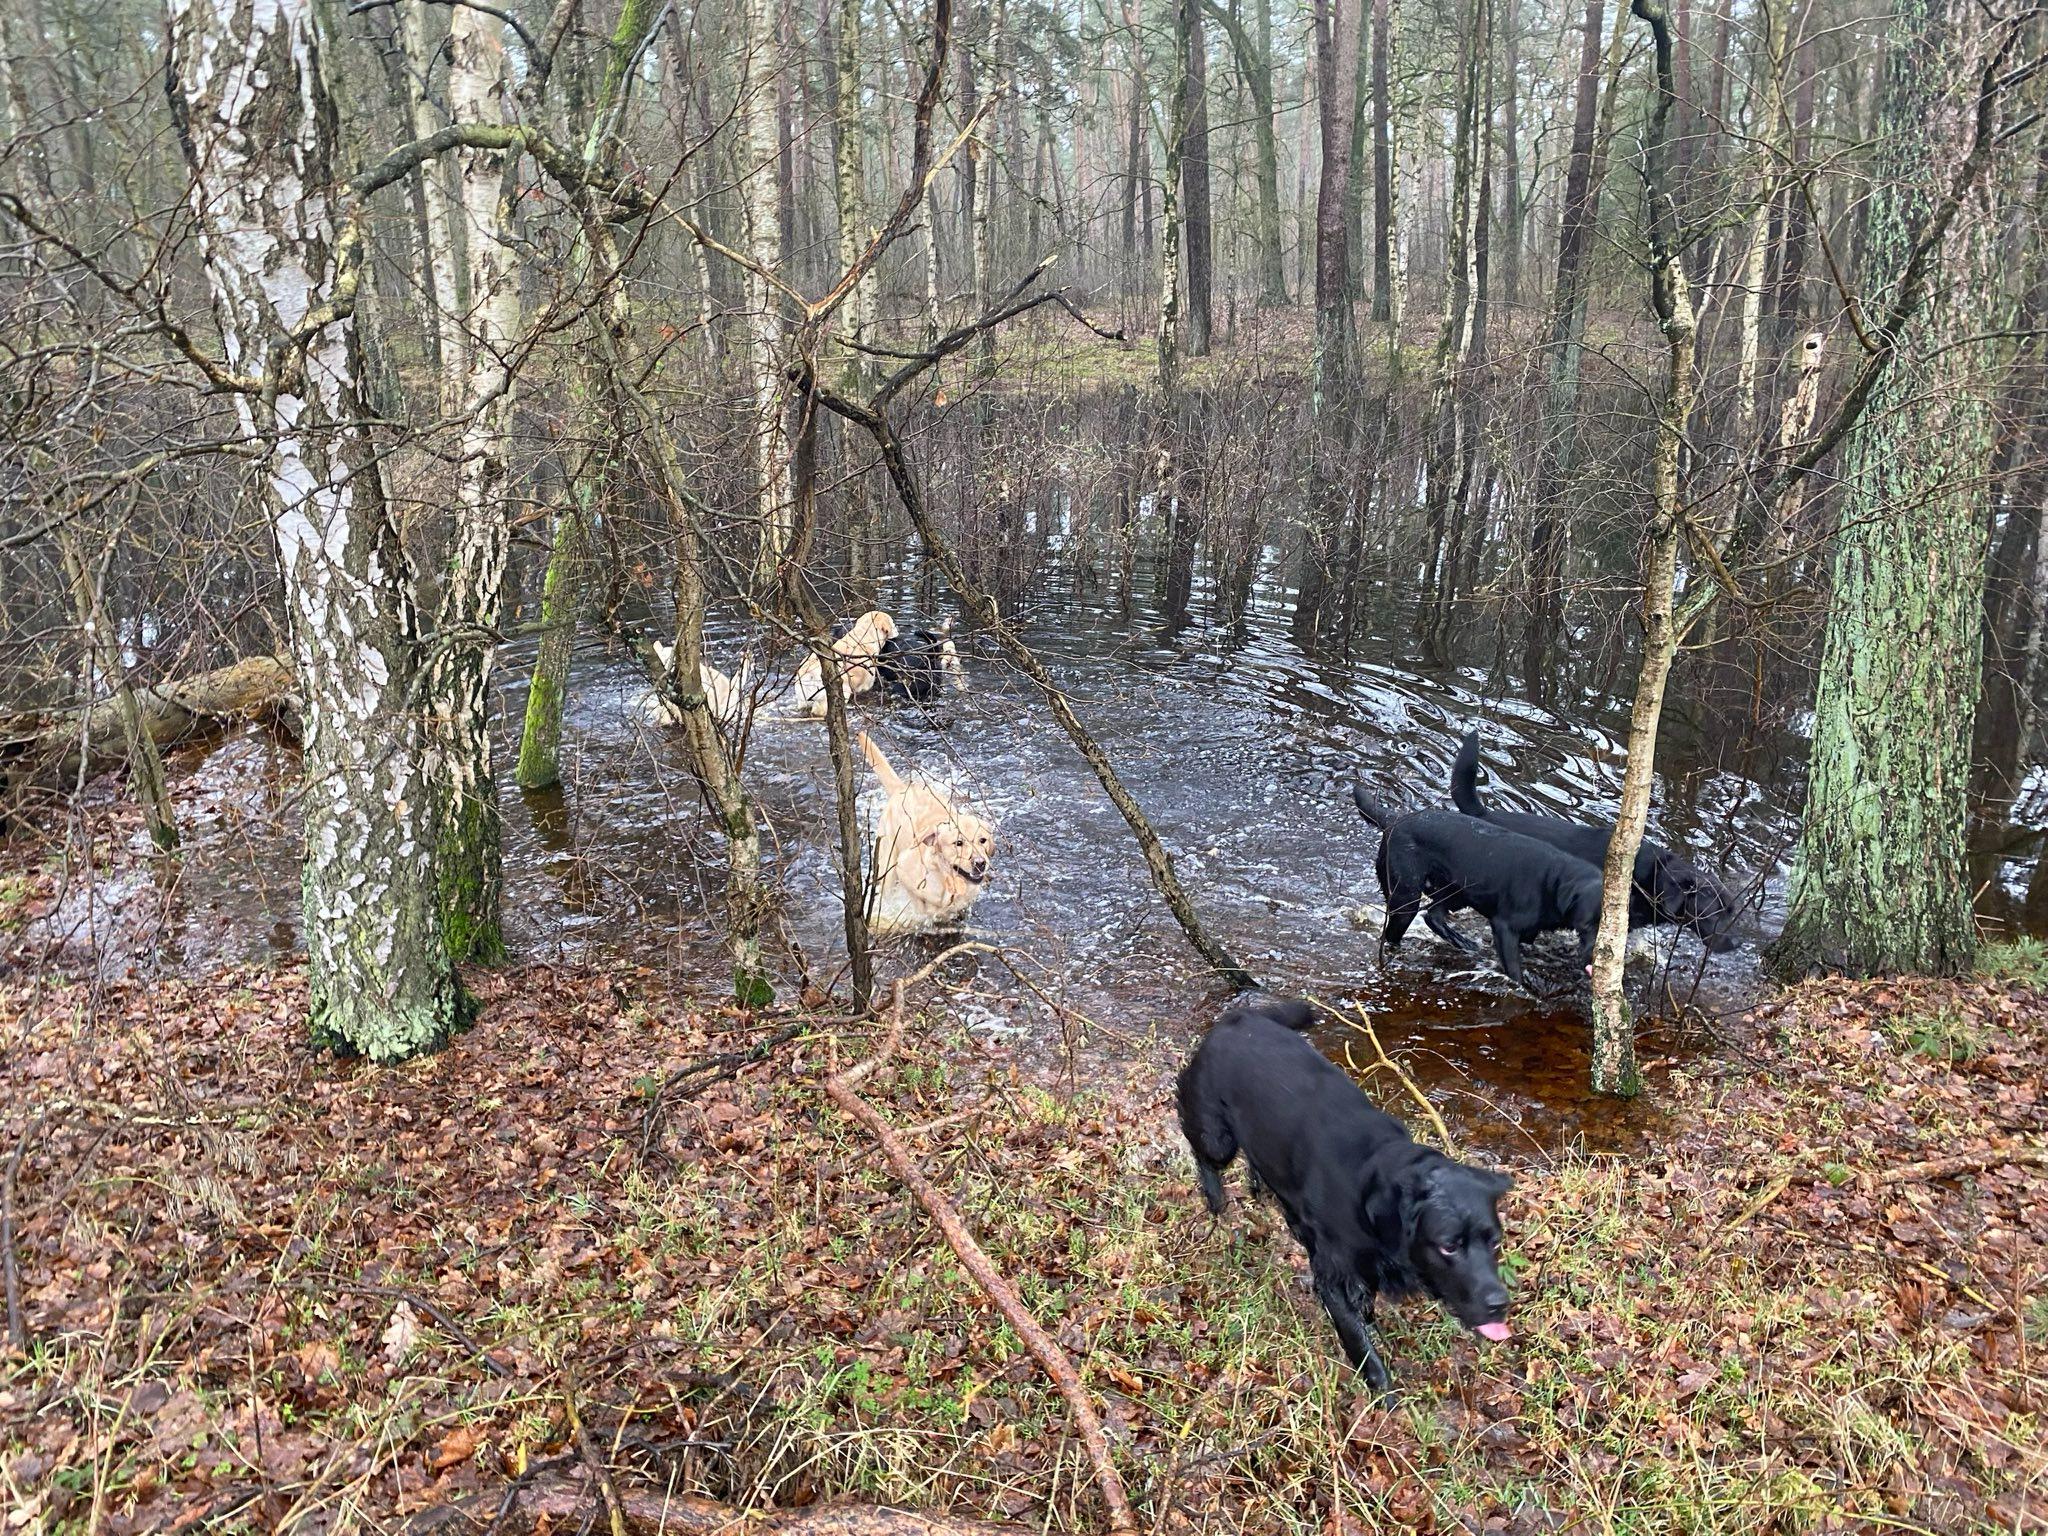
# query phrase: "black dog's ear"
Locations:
[[1412, 1190], [1496, 1182]]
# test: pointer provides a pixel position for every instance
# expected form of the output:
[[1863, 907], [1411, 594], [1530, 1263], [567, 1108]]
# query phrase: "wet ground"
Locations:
[[1240, 746]]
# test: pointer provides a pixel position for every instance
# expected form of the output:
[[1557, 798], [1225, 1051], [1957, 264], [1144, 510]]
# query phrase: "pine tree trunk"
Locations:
[[258, 129], [1382, 161], [1507, 256], [1557, 453], [1336, 338], [1253, 50], [1880, 880], [2016, 584]]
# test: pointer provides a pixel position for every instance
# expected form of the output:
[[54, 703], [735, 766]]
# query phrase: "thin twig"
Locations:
[[720, 1066], [978, 1265], [1363, 1025], [17, 1329], [598, 1470], [433, 1309]]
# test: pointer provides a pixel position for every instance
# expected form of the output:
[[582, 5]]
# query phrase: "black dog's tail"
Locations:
[[1465, 777], [1370, 808]]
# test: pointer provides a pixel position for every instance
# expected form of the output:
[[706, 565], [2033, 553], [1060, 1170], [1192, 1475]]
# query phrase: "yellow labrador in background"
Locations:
[[727, 696], [858, 650], [930, 857]]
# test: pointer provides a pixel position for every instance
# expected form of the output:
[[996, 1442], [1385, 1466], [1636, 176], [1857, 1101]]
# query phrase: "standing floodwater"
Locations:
[[1241, 745]]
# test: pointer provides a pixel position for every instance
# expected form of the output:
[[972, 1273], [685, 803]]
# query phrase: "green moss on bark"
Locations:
[[1880, 881]]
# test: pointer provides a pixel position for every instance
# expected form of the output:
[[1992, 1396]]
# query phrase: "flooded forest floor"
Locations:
[[549, 1276]]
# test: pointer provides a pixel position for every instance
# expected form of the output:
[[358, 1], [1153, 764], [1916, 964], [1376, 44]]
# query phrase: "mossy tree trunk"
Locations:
[[1880, 880], [540, 737]]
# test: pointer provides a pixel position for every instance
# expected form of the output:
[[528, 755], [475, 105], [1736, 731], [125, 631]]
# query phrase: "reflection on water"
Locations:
[[1240, 746]]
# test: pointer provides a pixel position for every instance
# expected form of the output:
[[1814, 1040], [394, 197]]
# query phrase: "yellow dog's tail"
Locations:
[[891, 781]]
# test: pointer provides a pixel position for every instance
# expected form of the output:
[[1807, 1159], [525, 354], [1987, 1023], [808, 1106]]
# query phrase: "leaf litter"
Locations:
[[265, 1289]]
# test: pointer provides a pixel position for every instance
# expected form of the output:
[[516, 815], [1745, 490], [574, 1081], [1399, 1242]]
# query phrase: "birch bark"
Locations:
[[472, 594], [258, 132]]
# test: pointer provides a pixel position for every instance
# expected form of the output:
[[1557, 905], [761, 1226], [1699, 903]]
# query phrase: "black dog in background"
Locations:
[[1668, 888], [915, 664], [1520, 885], [1377, 1214]]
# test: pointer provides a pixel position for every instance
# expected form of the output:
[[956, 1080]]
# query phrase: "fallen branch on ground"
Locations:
[[1965, 1162], [840, 1089], [565, 1505]]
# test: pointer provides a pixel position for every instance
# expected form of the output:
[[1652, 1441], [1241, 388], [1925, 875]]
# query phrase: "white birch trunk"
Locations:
[[849, 186], [472, 594], [761, 153], [1770, 110], [259, 131]]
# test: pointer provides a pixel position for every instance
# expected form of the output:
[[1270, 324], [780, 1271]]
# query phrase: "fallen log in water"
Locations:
[[45, 750]]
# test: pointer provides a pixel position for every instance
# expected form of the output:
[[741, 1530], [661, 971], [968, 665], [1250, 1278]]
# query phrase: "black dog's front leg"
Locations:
[[1339, 1295], [1440, 925], [1509, 945]]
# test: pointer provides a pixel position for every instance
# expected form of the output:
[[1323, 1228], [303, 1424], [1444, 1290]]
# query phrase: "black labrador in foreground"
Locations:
[[1668, 889], [1520, 885], [1376, 1213]]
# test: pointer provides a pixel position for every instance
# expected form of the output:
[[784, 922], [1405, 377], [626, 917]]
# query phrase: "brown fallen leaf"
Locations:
[[456, 1447], [319, 1359]]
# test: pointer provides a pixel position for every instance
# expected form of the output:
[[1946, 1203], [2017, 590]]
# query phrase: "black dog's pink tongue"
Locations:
[[1498, 1333]]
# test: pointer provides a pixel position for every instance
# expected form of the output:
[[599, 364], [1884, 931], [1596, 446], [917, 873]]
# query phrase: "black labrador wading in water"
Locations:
[[1668, 888], [1521, 885], [1376, 1213]]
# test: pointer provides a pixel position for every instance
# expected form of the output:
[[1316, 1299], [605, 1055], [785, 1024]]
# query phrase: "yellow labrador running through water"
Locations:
[[726, 696], [930, 857], [859, 651]]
